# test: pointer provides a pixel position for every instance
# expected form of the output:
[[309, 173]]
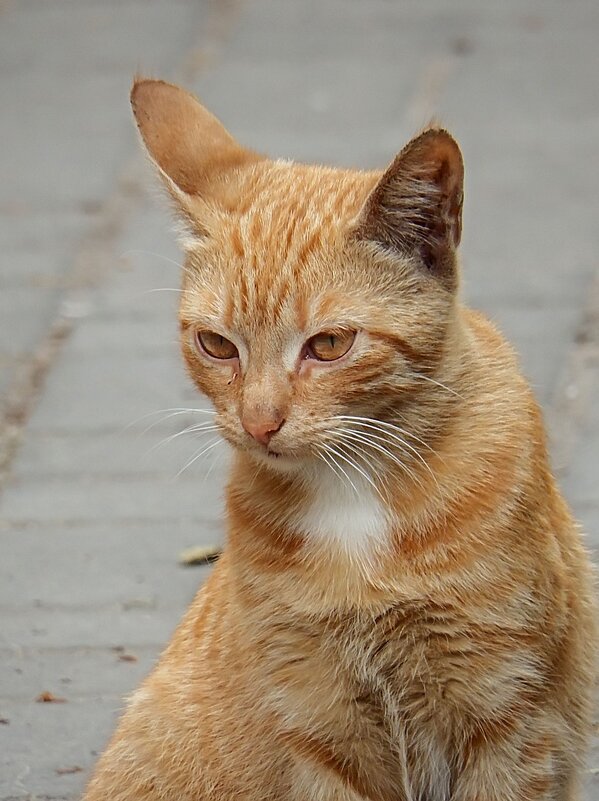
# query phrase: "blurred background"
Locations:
[[92, 512]]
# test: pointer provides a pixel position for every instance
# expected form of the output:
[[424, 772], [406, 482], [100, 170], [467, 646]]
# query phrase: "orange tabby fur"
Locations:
[[419, 629]]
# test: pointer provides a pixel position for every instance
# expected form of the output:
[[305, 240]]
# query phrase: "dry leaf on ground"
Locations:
[[200, 555], [127, 658], [46, 697], [65, 771]]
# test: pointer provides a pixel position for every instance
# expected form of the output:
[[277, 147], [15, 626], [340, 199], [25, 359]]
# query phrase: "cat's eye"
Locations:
[[330, 345], [216, 345]]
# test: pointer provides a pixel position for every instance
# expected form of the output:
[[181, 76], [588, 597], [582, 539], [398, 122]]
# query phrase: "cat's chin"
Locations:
[[276, 461]]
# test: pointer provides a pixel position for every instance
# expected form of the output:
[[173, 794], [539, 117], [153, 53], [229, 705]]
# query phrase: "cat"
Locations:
[[403, 610]]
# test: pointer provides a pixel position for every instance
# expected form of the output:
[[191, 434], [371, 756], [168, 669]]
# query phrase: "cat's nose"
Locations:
[[262, 428]]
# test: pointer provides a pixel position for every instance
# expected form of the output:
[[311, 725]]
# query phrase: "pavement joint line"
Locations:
[[26, 651], [30, 797], [25, 389], [20, 524], [132, 604], [116, 698], [573, 396], [92, 477], [94, 260]]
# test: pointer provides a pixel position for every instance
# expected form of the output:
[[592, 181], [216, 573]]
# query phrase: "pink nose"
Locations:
[[262, 429]]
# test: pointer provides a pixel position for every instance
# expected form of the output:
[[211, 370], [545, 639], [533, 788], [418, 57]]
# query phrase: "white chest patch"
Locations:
[[353, 519]]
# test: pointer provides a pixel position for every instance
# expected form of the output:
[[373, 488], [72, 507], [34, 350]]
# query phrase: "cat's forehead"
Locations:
[[286, 211], [278, 254], [329, 189]]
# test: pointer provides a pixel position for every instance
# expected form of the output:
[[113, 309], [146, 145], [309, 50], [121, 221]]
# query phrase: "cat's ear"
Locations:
[[192, 150], [415, 210]]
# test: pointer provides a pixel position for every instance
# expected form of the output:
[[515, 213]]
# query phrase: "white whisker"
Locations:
[[174, 411], [202, 428], [161, 420], [356, 467], [320, 455], [365, 456], [376, 424], [437, 383], [211, 468], [337, 470], [330, 450], [164, 289], [367, 440], [138, 252], [392, 426], [203, 452], [383, 436]]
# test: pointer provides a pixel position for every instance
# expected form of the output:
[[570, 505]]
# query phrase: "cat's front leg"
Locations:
[[312, 783], [512, 770]]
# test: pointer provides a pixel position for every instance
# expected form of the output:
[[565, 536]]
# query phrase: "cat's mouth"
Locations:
[[278, 455], [278, 460]]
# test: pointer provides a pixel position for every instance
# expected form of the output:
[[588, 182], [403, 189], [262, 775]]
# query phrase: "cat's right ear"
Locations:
[[415, 210], [193, 152]]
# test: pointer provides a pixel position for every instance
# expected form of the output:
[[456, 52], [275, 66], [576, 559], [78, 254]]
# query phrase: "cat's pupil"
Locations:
[[332, 341]]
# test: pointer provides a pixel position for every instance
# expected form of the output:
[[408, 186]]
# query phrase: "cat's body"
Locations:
[[418, 625]]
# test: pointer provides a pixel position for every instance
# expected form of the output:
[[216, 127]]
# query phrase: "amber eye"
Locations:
[[216, 345], [330, 345]]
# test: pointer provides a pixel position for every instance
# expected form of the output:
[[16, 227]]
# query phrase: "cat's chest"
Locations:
[[351, 517], [371, 683]]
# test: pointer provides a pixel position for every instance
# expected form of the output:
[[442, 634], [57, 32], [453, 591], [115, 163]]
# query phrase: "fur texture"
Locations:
[[403, 610]]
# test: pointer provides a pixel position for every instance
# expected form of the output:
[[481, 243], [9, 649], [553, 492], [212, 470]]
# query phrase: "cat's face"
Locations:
[[290, 324], [314, 300]]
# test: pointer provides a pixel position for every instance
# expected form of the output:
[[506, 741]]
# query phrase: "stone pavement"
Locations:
[[91, 520]]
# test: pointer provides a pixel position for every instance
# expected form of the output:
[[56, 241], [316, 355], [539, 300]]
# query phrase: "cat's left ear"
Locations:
[[195, 155], [415, 210]]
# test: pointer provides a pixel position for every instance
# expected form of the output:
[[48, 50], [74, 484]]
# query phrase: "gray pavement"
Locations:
[[91, 518]]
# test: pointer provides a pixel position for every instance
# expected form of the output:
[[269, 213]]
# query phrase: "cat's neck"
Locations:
[[327, 537]]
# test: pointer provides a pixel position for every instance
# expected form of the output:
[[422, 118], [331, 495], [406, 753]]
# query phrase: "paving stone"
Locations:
[[531, 329], [64, 733], [90, 499], [65, 71], [106, 392], [120, 455], [85, 571], [582, 480], [143, 622]]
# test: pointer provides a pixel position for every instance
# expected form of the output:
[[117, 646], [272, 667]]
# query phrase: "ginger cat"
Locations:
[[403, 610]]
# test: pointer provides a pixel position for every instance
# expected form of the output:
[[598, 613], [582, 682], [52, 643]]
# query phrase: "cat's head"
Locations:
[[315, 300]]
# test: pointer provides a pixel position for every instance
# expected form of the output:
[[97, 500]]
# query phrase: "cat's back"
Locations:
[[507, 402], [547, 549]]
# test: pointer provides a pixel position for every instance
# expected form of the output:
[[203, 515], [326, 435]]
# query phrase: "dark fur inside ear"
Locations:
[[416, 208]]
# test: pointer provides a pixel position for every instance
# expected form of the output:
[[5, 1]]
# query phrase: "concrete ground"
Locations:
[[91, 520]]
